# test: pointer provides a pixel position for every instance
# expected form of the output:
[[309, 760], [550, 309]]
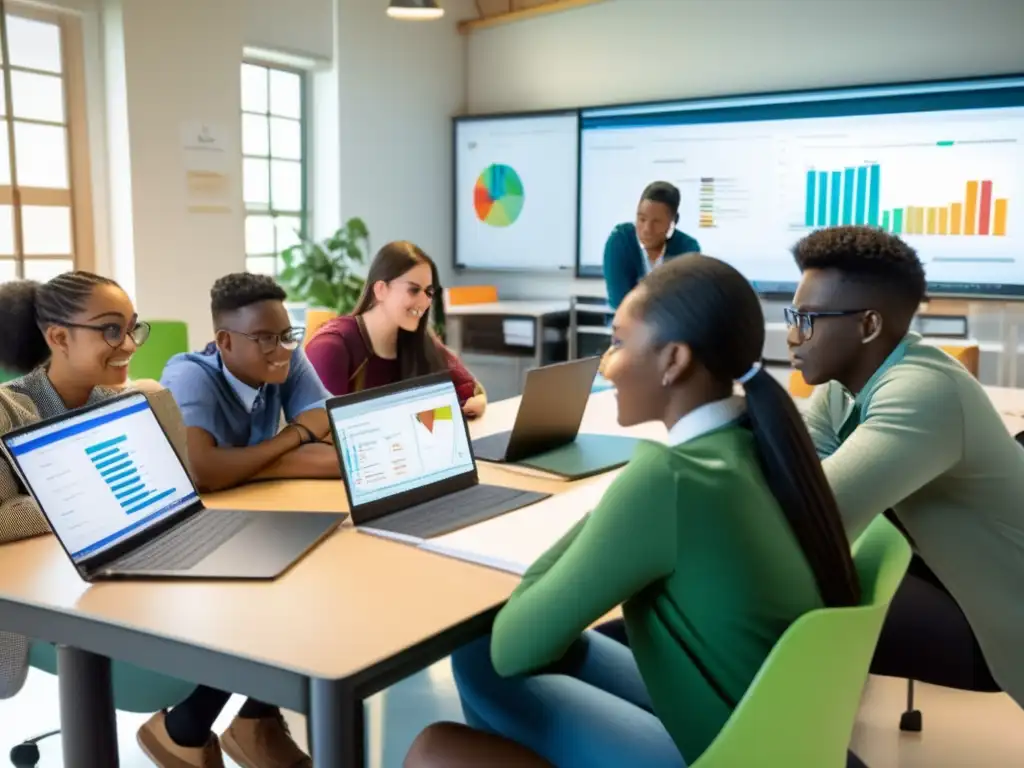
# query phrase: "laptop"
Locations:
[[408, 467], [550, 412], [122, 504]]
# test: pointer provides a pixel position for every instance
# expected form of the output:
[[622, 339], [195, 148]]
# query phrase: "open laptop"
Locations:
[[122, 504], [407, 464], [550, 412]]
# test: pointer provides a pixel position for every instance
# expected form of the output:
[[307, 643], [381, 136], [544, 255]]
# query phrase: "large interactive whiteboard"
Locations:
[[516, 192], [940, 164]]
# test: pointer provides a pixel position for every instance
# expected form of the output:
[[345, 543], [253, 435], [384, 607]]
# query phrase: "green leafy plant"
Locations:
[[328, 274]]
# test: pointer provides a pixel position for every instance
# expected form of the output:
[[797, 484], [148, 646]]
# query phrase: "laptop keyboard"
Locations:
[[457, 510], [184, 546]]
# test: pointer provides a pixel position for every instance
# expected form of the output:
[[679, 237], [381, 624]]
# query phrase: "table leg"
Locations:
[[88, 727], [337, 732]]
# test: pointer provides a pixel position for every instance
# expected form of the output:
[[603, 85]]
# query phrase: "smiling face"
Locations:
[[249, 343], [636, 366], [406, 300], [97, 355]]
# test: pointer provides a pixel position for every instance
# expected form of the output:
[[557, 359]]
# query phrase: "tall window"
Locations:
[[37, 204], [274, 163]]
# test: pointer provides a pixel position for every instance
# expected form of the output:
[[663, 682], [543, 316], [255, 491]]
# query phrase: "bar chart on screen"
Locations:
[[125, 478]]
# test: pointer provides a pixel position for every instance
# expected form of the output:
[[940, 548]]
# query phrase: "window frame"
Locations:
[[77, 198], [303, 214]]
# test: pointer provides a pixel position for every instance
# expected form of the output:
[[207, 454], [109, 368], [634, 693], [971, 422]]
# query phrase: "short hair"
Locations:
[[242, 289], [868, 256], [664, 193]]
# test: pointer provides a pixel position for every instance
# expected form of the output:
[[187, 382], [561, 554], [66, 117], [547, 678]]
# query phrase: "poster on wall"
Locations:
[[207, 187]]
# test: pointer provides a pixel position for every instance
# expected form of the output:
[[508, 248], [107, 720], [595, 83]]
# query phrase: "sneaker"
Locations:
[[263, 742], [158, 746]]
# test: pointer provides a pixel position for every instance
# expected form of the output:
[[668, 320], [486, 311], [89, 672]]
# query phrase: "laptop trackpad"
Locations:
[[267, 546]]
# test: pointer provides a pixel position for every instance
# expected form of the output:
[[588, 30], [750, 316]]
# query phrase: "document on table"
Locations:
[[512, 542]]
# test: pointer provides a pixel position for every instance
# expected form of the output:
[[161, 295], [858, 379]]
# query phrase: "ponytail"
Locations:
[[28, 308], [797, 480]]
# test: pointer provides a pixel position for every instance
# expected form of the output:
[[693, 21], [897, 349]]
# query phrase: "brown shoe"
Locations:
[[263, 742], [158, 746]]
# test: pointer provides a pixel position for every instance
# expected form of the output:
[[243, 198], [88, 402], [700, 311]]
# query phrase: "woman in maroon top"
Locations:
[[387, 337]]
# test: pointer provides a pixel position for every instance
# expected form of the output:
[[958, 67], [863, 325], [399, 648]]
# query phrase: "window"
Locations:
[[41, 221], [273, 163]]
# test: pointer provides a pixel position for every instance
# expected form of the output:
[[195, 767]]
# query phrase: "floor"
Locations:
[[960, 729]]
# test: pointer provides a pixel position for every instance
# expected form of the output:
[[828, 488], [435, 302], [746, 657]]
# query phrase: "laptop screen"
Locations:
[[401, 441], [103, 475]]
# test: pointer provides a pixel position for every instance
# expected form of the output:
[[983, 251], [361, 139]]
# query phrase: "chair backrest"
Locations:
[[802, 705], [968, 354], [471, 294], [5, 376], [798, 387], [167, 339], [315, 318]]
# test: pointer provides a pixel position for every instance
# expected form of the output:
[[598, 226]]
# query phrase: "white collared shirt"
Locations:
[[649, 266], [248, 395], [706, 419]]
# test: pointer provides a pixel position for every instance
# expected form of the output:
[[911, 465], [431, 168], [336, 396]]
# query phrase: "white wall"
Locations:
[[302, 27], [399, 84], [634, 50]]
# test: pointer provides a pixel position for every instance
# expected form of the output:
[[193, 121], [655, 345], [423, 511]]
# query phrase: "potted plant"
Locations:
[[328, 274]]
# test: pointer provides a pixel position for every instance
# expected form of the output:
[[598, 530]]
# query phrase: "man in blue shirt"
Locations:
[[232, 395]]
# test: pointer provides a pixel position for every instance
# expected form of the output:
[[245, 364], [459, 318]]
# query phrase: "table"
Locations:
[[355, 616]]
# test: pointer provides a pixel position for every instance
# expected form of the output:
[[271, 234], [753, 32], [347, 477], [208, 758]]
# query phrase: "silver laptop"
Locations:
[[122, 504], [407, 463]]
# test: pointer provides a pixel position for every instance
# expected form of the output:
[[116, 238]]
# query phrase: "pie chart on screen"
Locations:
[[498, 195]]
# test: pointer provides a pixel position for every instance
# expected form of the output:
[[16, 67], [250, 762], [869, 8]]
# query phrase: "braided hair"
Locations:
[[28, 308]]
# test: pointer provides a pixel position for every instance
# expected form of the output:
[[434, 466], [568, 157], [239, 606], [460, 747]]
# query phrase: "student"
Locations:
[[715, 543], [232, 394], [902, 426], [73, 338], [633, 250], [387, 338]]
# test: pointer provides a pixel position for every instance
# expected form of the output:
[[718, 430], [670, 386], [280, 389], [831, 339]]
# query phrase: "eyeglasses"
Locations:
[[113, 333], [415, 290], [288, 339], [804, 321]]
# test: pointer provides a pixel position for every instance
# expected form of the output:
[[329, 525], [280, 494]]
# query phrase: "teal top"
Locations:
[[694, 544], [923, 439], [625, 260]]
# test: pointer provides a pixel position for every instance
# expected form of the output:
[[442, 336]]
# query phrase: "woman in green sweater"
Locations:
[[713, 544]]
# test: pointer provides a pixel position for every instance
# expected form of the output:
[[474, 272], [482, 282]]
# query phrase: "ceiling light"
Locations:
[[415, 10]]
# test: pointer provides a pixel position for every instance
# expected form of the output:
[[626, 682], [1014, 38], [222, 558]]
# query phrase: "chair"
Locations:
[[5, 376], [969, 355], [471, 294], [167, 338], [801, 707], [315, 318], [134, 691], [798, 387]]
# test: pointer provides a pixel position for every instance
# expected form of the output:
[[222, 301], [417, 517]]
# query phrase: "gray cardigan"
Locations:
[[24, 401]]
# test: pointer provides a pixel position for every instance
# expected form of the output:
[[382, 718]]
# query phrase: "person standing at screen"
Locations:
[[634, 249]]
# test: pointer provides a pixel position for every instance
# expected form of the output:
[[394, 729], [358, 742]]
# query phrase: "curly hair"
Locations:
[[242, 289], [868, 256], [28, 308]]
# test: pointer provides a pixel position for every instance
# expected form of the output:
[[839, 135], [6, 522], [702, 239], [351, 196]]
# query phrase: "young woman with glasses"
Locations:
[[388, 338]]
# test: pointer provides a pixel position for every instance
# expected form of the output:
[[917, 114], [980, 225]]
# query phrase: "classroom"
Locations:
[[511, 382]]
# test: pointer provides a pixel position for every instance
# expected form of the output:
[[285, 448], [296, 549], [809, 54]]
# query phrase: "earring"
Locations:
[[665, 380]]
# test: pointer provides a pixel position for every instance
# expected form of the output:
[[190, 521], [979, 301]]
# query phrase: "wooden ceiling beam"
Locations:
[[522, 14]]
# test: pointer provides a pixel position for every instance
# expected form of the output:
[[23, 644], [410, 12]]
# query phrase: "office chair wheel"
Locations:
[[25, 755]]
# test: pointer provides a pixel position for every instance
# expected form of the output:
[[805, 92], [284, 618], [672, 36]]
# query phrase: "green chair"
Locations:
[[800, 710], [5, 376], [167, 339]]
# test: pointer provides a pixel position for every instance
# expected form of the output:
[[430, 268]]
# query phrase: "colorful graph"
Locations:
[[498, 196], [848, 196], [427, 418], [977, 214], [121, 475]]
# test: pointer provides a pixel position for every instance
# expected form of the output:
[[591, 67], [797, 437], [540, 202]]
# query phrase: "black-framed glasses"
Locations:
[[288, 339], [114, 333], [804, 321]]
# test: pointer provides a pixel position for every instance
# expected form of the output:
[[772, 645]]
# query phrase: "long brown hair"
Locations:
[[418, 351]]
